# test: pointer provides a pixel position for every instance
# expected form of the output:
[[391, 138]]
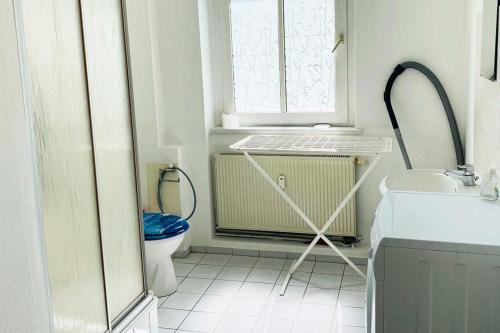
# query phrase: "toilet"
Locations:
[[163, 235]]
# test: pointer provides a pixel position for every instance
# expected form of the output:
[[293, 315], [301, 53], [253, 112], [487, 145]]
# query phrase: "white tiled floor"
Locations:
[[224, 294]]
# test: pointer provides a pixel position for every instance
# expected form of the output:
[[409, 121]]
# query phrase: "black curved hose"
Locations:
[[459, 151], [158, 190]]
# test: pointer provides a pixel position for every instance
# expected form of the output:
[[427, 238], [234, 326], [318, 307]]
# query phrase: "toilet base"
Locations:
[[159, 267], [161, 277]]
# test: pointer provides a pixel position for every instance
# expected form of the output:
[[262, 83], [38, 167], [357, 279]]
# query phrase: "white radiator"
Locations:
[[245, 201]]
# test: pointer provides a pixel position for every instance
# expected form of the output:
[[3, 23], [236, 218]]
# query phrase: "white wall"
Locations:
[[487, 125], [387, 32], [486, 115], [24, 305], [180, 68], [146, 86], [168, 96], [390, 32]]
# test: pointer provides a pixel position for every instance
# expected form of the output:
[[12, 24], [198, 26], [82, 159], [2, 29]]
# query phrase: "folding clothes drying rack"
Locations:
[[331, 145]]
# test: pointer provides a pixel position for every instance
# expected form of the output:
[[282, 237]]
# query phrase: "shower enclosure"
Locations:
[[74, 72]]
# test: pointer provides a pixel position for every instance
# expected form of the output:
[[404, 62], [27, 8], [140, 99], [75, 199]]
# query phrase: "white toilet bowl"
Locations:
[[159, 268]]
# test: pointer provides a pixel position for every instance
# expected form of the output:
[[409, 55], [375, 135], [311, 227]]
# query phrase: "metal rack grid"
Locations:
[[315, 144]]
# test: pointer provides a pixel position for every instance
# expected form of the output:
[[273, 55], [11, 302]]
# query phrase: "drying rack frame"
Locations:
[[328, 145]]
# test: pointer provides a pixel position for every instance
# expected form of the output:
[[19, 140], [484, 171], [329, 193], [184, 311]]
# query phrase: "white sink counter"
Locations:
[[424, 180], [450, 221]]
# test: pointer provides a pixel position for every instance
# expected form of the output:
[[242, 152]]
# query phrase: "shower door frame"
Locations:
[[144, 294]]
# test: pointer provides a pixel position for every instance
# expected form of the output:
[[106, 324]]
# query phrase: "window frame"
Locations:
[[223, 66]]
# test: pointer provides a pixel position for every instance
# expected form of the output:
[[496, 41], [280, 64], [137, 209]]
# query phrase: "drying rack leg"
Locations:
[[319, 233], [285, 283]]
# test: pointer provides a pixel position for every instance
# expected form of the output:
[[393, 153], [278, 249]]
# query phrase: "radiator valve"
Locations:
[[281, 182], [359, 161]]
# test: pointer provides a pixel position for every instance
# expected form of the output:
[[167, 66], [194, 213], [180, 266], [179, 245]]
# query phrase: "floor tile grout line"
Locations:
[[190, 311], [257, 257], [338, 295], [249, 256], [178, 327], [282, 270], [266, 299], [250, 298], [204, 293]]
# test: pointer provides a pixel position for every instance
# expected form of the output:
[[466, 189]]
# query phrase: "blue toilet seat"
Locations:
[[161, 226]]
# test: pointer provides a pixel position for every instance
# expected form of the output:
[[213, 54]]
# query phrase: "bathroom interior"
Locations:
[[249, 166]]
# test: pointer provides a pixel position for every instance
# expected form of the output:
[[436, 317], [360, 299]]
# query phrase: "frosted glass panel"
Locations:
[[310, 65], [58, 98], [254, 33], [113, 143]]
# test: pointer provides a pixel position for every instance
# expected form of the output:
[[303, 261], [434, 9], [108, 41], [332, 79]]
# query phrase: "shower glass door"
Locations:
[[114, 152], [56, 97], [76, 90]]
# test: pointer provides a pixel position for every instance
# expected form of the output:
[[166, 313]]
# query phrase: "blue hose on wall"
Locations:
[[161, 179], [459, 151]]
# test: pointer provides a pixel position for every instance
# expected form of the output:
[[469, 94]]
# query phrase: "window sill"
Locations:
[[288, 130]]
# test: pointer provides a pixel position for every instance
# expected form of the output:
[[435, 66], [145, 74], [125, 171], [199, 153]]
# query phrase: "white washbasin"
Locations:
[[421, 180]]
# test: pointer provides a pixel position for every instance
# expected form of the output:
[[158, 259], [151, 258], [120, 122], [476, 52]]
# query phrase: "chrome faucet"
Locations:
[[465, 174]]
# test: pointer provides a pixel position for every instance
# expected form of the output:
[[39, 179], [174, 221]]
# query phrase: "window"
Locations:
[[280, 61]]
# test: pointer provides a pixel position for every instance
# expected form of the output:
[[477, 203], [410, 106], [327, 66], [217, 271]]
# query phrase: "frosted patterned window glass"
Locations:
[[254, 33], [310, 65]]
